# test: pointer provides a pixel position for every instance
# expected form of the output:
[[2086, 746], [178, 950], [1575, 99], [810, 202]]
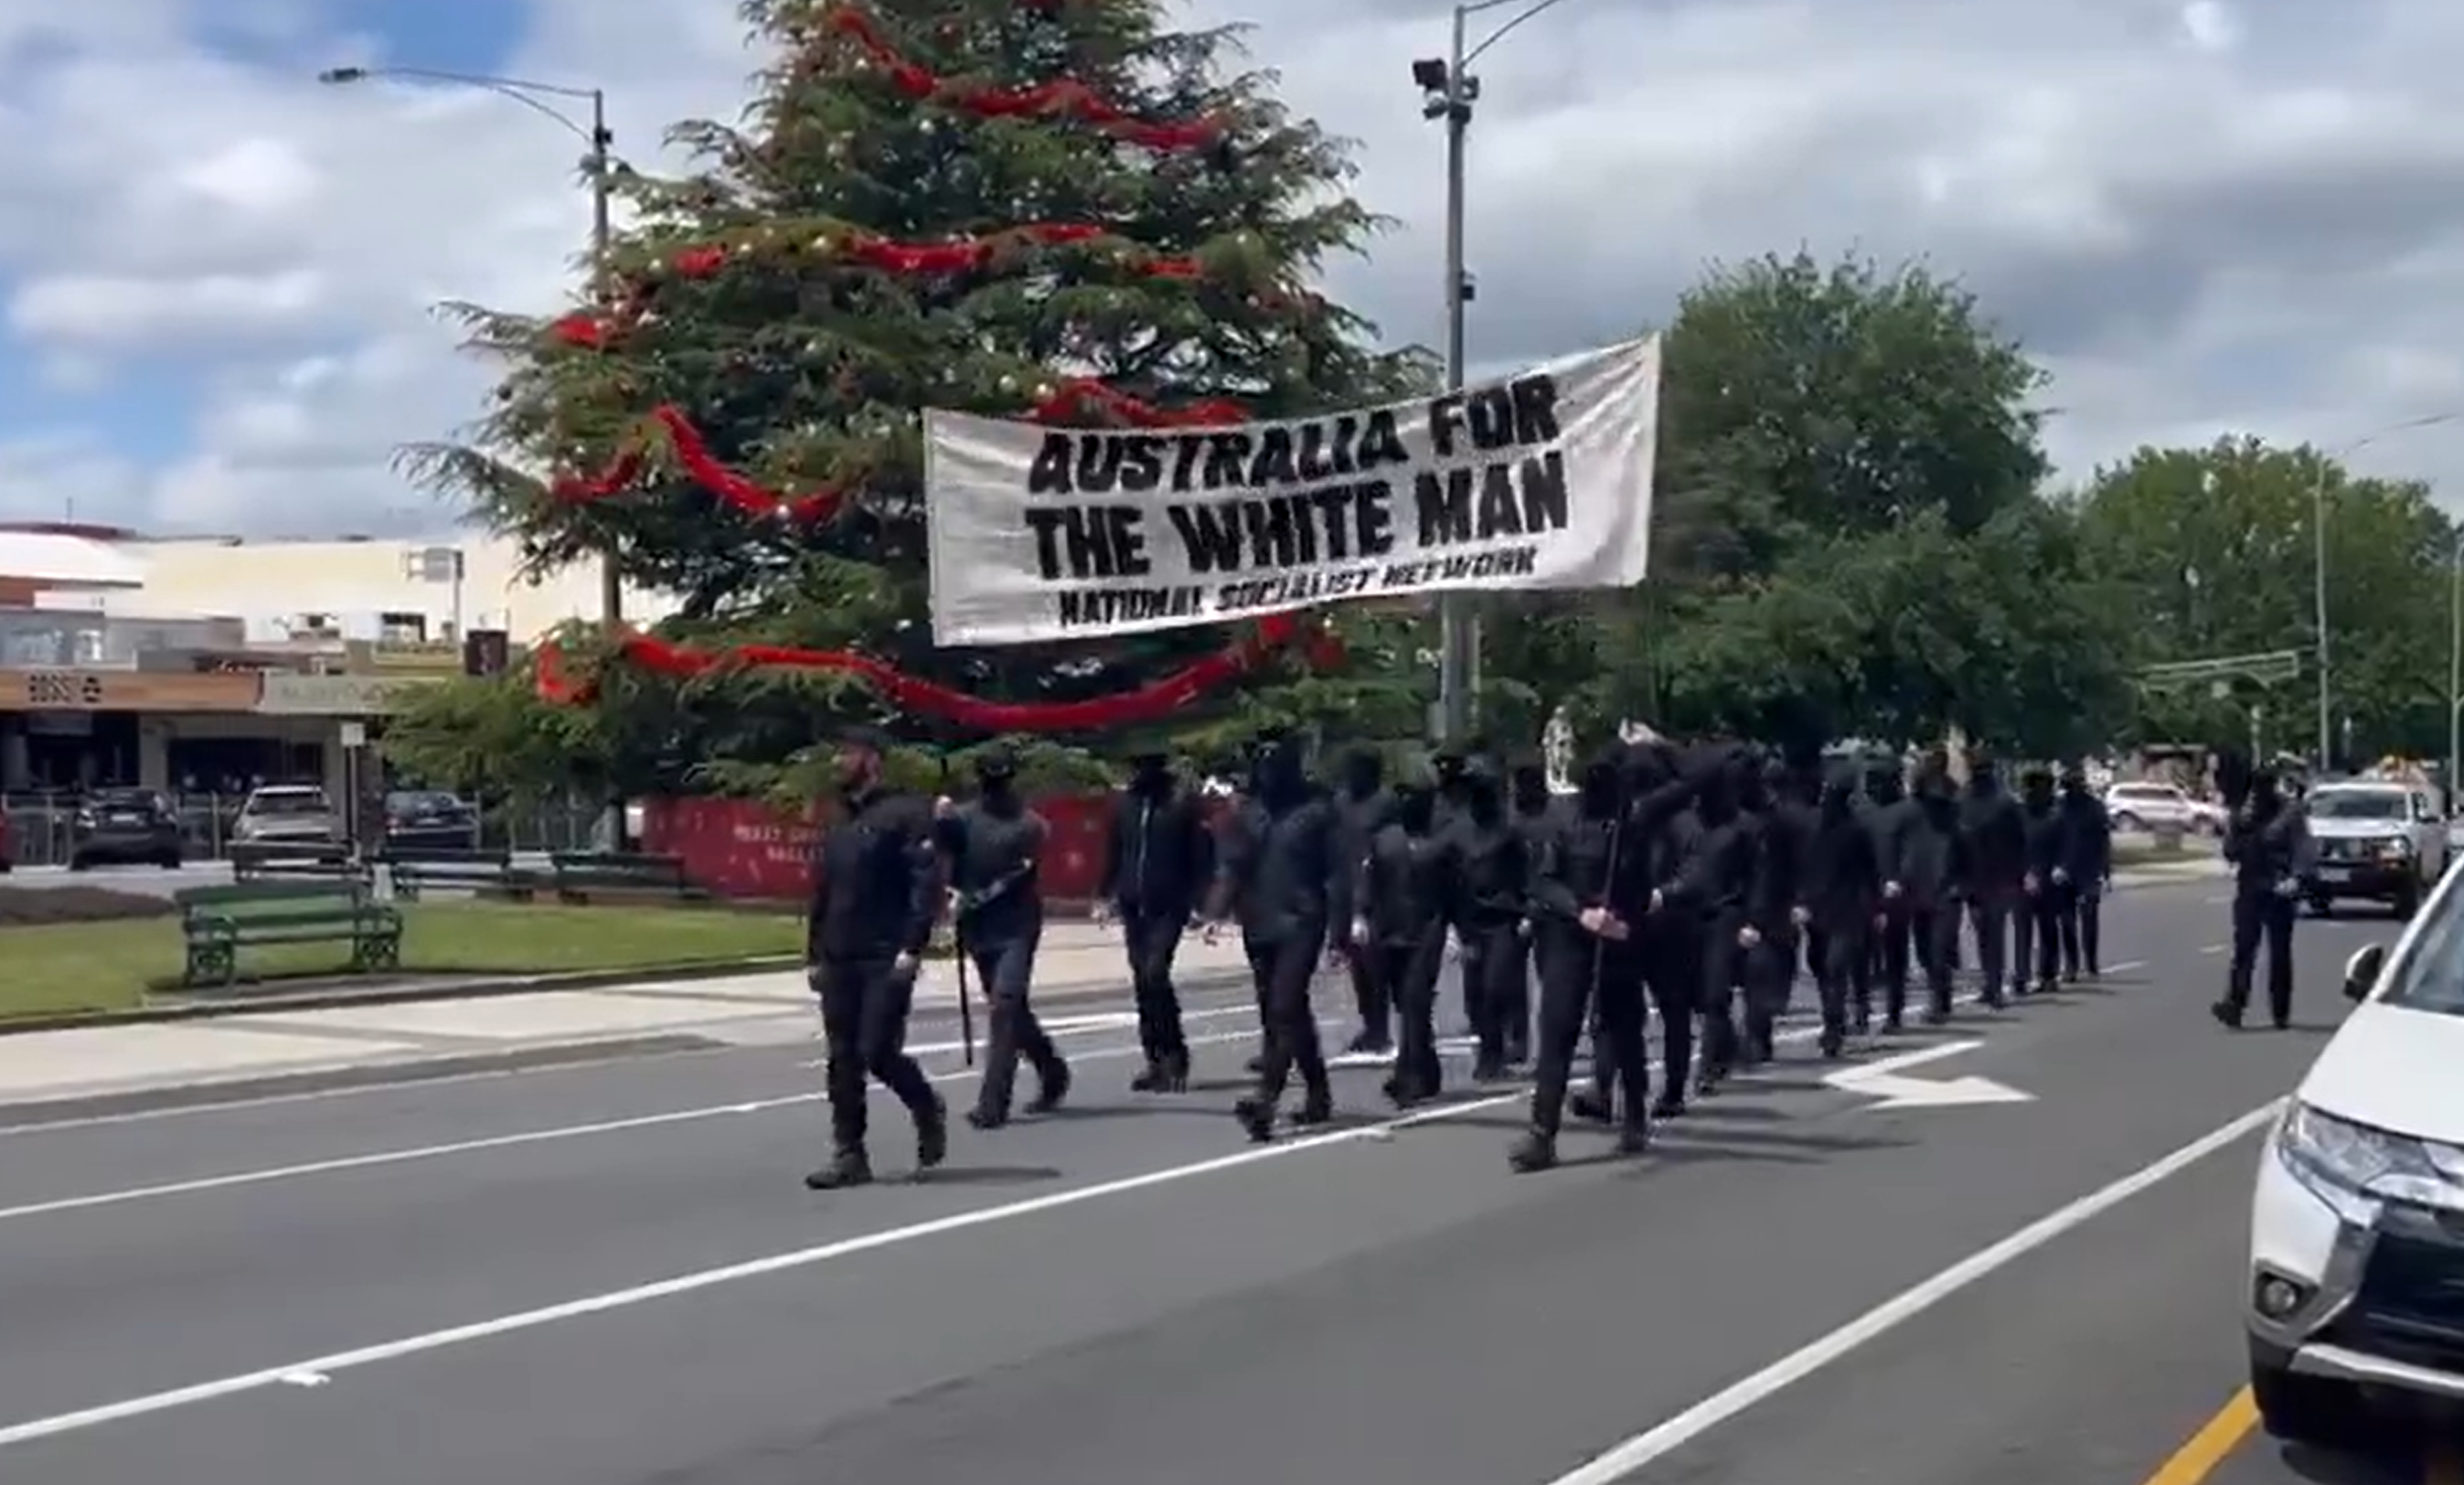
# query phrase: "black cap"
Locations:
[[996, 762]]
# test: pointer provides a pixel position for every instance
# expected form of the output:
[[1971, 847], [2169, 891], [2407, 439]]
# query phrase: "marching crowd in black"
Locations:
[[1697, 881]]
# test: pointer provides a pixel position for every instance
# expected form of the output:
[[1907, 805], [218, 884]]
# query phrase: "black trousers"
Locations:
[[1990, 915], [2082, 926], [2261, 915], [1769, 971], [1282, 969], [1006, 970], [1409, 968], [1493, 963], [1672, 975], [1722, 968], [1843, 974], [1372, 993], [1514, 1009], [1890, 955], [2036, 934], [1576, 972], [1933, 932], [1151, 940], [864, 1004]]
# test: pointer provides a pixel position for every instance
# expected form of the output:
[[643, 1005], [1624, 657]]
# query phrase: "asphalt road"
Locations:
[[610, 1276]]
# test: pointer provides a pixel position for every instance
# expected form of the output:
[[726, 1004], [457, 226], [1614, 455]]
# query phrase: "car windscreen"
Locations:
[[301, 803], [2431, 976], [127, 800], [2356, 804]]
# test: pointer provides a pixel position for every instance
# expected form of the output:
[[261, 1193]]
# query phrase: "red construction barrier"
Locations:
[[746, 849]]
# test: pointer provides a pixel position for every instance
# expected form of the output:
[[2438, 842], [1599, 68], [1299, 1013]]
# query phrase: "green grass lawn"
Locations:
[[51, 968]]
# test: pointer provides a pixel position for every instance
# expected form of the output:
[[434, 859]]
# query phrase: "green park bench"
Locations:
[[218, 922], [419, 868], [575, 875]]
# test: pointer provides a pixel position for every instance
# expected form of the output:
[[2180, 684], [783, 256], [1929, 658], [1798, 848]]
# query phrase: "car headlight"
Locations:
[[2395, 846], [2353, 1168]]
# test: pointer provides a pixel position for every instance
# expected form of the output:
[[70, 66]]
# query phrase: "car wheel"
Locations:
[[168, 861], [2300, 1409], [2127, 821], [81, 864]]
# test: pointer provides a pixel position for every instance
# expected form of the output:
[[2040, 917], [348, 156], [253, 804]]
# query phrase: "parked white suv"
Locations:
[[2355, 1290]]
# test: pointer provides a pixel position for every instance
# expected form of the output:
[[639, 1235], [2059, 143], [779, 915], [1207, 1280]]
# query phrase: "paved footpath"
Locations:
[[95, 1070], [610, 1276]]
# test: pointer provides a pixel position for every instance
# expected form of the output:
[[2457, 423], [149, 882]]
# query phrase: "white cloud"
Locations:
[[2224, 213]]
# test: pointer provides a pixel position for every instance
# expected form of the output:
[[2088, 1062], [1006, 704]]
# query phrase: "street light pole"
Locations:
[[1451, 90], [2455, 667], [600, 163]]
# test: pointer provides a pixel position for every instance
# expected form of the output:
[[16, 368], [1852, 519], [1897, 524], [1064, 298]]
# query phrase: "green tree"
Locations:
[[2212, 552], [806, 369]]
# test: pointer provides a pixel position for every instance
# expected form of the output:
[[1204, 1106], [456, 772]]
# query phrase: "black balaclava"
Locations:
[[1839, 799], [1886, 786], [1601, 792], [1364, 773], [996, 776], [2073, 784], [1934, 795], [1481, 795], [1416, 804], [1450, 765], [2266, 793], [1982, 777], [2037, 790], [1530, 784], [1647, 767], [1715, 803], [1151, 775], [1283, 779], [1746, 778]]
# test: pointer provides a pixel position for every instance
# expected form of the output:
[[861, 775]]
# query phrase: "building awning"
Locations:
[[45, 560]]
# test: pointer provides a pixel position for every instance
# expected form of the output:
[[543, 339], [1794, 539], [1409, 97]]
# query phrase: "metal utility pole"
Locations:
[[1449, 91]]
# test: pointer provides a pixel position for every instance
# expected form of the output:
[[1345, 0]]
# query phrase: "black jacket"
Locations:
[[1282, 872], [2087, 838], [1496, 871], [1158, 855], [1784, 833], [2268, 849], [1843, 874], [1407, 884], [994, 856], [2047, 836], [1930, 852], [875, 880], [1359, 817], [1996, 835]]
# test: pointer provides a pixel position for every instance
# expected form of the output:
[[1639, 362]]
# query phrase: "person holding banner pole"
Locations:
[[1157, 857], [1282, 878], [995, 846]]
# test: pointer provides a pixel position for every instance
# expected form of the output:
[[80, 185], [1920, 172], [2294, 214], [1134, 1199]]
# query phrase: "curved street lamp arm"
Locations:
[[519, 90], [1502, 32]]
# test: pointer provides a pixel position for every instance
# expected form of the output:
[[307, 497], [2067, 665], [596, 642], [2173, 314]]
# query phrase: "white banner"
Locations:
[[1539, 481]]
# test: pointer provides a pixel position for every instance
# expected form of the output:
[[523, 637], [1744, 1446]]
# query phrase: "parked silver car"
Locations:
[[287, 813]]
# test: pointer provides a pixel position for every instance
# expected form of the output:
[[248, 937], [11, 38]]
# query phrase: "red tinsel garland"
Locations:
[[595, 329], [1064, 99], [1072, 402], [1152, 702]]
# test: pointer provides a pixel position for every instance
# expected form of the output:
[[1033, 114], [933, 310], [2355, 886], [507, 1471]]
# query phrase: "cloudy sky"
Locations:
[[2225, 214]]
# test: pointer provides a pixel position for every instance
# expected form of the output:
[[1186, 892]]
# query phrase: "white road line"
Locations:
[[2214, 948], [326, 1367], [528, 1137], [1647, 1448]]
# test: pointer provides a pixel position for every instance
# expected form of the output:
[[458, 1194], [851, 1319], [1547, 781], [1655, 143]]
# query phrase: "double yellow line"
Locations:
[[2216, 1439]]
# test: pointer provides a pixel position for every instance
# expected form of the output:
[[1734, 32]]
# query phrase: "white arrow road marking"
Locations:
[[1887, 1081]]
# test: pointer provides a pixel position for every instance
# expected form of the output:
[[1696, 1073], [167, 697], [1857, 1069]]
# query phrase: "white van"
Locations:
[[2356, 1281]]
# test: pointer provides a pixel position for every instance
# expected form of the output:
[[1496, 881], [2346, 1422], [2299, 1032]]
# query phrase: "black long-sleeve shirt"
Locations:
[[2268, 851], [1929, 852], [1842, 886], [2087, 838], [994, 856], [1282, 872], [1158, 855], [2046, 833], [1496, 872], [1407, 884], [875, 882], [1996, 835]]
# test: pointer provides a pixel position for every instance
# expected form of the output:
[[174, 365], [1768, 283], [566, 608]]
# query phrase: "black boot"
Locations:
[[1536, 1150], [1176, 1072], [1257, 1117], [1317, 1107], [932, 1134], [1633, 1140], [1590, 1106], [1054, 1087], [1150, 1079], [981, 1117], [846, 1168], [2228, 1014], [1668, 1105]]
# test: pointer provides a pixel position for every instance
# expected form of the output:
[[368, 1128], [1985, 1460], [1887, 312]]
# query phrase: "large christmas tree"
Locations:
[[1033, 208]]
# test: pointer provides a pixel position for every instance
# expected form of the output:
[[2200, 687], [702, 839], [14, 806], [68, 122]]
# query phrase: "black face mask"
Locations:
[[997, 789], [1151, 777], [1886, 788], [1837, 801], [1485, 804], [2038, 796], [1281, 778], [1600, 791], [1530, 790], [1362, 777]]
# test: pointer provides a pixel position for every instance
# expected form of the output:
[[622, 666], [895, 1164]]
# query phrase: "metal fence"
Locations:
[[41, 826]]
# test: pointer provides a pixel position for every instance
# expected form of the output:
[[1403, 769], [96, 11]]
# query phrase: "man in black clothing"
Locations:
[[2268, 843], [995, 846], [1489, 910], [1887, 808], [875, 893], [1844, 895], [1282, 878], [1362, 808], [1590, 892], [1716, 888], [1995, 839], [1668, 940], [2036, 936], [1776, 908], [1157, 857], [1538, 820], [1929, 855], [1406, 883], [2087, 863]]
